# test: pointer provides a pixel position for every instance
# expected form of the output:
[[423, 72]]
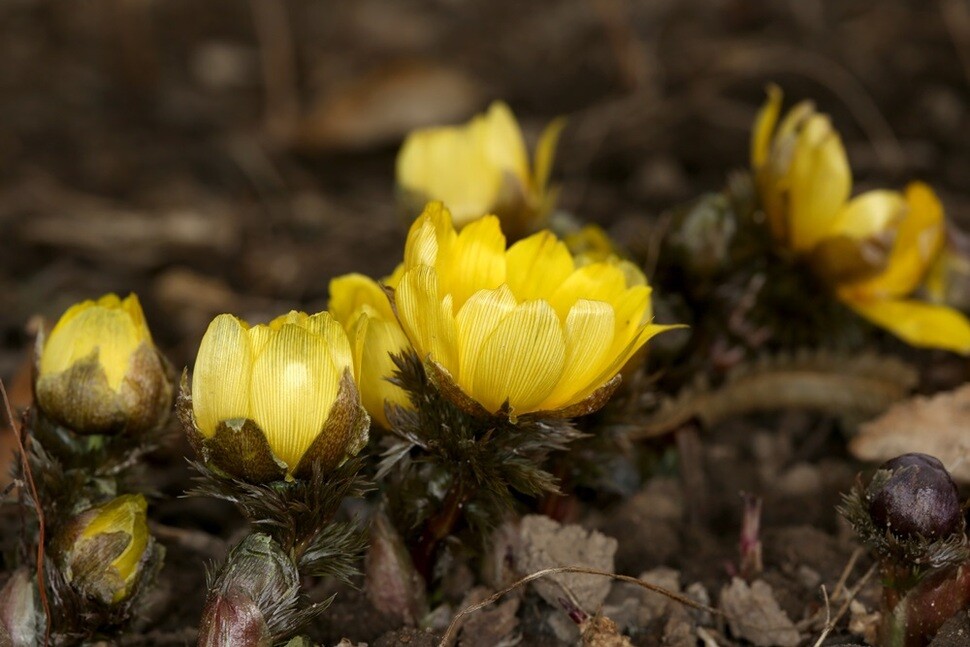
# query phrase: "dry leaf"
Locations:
[[938, 425], [547, 544], [754, 615], [383, 106]]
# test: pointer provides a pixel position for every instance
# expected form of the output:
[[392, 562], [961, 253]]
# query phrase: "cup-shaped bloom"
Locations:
[[480, 168], [274, 401], [98, 371], [873, 250], [104, 551], [361, 306], [520, 330]]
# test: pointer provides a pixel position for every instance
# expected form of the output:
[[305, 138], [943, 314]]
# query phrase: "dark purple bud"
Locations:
[[918, 498]]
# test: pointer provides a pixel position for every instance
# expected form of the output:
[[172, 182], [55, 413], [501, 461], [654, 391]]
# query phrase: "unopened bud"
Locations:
[[98, 371], [20, 616], [919, 497], [257, 590], [103, 552]]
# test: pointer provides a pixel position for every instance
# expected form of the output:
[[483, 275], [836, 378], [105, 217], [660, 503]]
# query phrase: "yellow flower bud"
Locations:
[[364, 310], [98, 371], [480, 168], [104, 550], [873, 250], [274, 400], [527, 327]]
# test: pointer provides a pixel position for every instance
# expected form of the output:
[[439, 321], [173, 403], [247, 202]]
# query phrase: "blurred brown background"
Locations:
[[234, 155]]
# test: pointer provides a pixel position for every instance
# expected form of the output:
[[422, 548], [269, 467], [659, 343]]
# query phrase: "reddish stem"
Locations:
[[425, 551]]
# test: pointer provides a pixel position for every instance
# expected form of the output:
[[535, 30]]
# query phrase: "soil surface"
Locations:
[[232, 156]]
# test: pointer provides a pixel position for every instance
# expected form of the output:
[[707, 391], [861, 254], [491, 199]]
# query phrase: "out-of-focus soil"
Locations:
[[234, 156]]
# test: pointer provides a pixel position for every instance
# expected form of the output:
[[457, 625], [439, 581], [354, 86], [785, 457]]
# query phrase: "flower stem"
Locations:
[[437, 527]]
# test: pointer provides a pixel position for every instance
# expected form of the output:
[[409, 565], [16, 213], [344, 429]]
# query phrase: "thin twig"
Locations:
[[677, 597], [828, 619], [41, 538]]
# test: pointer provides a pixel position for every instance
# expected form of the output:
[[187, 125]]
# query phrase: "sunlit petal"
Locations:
[[476, 320], [222, 373], [294, 385], [918, 323], [588, 337], [521, 361], [537, 265]]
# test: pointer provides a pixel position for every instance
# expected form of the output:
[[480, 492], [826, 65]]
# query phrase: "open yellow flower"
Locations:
[[98, 371], [525, 326], [105, 548], [361, 306], [275, 399], [480, 168], [875, 249]]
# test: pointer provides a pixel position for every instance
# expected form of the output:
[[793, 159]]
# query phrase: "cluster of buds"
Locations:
[[103, 396], [911, 517]]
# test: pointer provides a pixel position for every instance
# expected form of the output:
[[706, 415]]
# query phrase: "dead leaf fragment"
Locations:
[[754, 615], [384, 105], [937, 425], [547, 544]]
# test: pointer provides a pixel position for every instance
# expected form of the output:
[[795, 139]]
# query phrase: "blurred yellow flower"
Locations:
[[93, 544], [292, 379], [874, 250], [527, 325], [99, 372], [480, 168], [361, 306]]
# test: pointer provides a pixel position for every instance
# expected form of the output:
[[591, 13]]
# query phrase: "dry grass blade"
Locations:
[[677, 597]]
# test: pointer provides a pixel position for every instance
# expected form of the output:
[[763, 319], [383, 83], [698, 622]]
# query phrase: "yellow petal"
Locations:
[[632, 311], [502, 139], [333, 336], [113, 329], [869, 214], [764, 126], [223, 369], [596, 281], [537, 265], [454, 165], [589, 332], [643, 335], [820, 182], [294, 385], [431, 231], [475, 262], [351, 291], [427, 318], [919, 238], [374, 340], [545, 153], [476, 320], [521, 361], [125, 514], [918, 323]]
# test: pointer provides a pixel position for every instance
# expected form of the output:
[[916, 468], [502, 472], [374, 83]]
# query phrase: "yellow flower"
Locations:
[[480, 168], [873, 250], [362, 307], [525, 325], [277, 399], [99, 372], [116, 531]]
